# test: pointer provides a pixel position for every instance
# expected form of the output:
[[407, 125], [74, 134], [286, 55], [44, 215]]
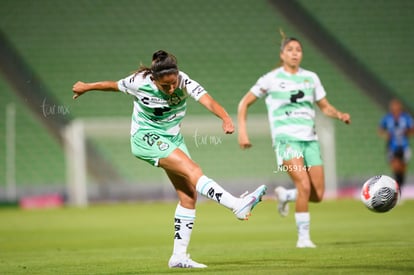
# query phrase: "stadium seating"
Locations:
[[225, 45]]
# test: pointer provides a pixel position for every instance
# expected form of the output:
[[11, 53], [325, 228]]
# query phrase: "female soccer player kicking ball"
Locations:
[[290, 93], [160, 93]]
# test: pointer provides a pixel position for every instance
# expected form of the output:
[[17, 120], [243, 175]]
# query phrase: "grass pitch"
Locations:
[[137, 239]]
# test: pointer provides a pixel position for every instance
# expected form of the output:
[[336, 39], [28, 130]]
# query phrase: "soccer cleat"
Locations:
[[282, 206], [247, 202], [305, 244], [183, 261]]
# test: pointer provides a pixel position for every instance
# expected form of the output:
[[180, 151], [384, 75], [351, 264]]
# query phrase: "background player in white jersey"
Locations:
[[160, 93], [290, 93]]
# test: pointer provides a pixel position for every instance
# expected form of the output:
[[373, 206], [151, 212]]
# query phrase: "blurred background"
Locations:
[[361, 50]]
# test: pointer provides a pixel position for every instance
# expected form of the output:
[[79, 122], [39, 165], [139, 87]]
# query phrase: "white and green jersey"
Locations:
[[290, 102], [155, 110]]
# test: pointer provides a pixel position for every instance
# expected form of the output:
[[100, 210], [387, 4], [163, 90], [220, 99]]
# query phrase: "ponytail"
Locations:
[[162, 64], [286, 40]]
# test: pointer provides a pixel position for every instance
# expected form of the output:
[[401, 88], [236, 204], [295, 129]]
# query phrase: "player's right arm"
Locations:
[[79, 88]]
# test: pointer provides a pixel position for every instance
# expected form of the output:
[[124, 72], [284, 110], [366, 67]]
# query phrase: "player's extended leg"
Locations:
[[180, 164], [187, 178]]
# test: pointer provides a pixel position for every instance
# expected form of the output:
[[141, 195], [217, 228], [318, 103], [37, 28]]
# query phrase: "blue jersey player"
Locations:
[[396, 127]]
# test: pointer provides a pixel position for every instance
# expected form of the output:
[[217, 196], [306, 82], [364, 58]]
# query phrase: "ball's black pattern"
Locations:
[[384, 199]]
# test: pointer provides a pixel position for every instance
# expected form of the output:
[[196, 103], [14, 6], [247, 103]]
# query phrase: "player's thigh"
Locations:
[[178, 163], [297, 171]]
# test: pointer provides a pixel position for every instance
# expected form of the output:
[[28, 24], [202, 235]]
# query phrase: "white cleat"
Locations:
[[305, 244], [183, 261], [282, 206], [248, 202]]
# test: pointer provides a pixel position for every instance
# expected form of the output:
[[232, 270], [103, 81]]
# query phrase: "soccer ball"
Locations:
[[380, 193]]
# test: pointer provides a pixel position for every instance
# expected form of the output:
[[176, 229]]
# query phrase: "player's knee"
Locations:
[[303, 189], [195, 172], [188, 169]]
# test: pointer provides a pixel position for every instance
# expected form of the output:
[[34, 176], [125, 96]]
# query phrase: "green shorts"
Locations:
[[151, 146], [308, 150]]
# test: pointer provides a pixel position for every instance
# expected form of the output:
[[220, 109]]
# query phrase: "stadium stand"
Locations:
[[225, 45]]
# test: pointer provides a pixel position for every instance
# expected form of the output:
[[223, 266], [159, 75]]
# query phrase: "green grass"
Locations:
[[137, 239]]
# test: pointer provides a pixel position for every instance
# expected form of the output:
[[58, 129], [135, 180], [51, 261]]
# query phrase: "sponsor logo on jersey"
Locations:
[[197, 90], [152, 100]]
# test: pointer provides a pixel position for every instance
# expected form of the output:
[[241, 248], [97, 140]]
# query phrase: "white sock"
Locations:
[[183, 224], [212, 190], [303, 224], [291, 194]]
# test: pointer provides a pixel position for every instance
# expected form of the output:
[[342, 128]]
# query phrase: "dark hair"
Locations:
[[286, 41], [163, 63]]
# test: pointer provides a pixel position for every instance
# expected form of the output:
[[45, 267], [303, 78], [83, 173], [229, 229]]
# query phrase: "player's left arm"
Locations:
[[213, 106], [331, 111]]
